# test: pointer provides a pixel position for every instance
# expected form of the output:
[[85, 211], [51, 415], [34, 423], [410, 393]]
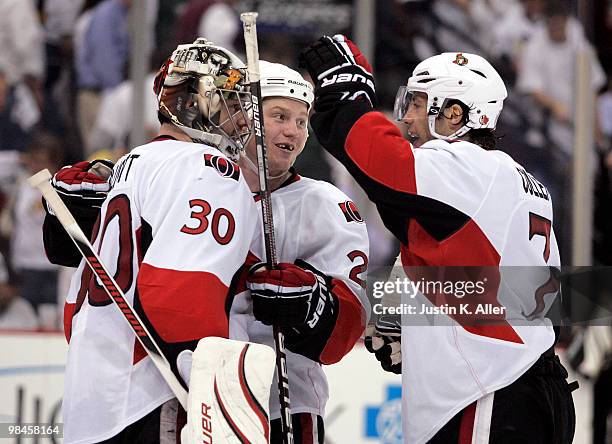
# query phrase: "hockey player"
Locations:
[[316, 294], [324, 320], [173, 240], [452, 200]]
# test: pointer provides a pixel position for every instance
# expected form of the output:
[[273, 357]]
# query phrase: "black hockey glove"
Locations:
[[83, 188], [291, 296], [340, 72], [384, 340]]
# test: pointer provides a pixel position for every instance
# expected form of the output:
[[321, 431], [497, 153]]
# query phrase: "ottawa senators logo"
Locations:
[[350, 211], [460, 60], [484, 119], [224, 167]]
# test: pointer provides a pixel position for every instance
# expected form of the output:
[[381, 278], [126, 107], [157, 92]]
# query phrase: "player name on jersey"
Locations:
[[532, 186]]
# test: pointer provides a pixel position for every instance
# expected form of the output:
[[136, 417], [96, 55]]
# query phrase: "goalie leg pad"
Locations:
[[229, 391]]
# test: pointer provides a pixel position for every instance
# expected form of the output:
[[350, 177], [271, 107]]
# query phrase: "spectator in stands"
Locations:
[[547, 75], [59, 21], [81, 26], [15, 312], [548, 68], [37, 277], [226, 35], [60, 17], [487, 14], [516, 28], [21, 72], [465, 25], [102, 58], [201, 18], [114, 121]]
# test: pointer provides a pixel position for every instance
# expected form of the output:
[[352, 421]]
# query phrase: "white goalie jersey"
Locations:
[[316, 223], [174, 230]]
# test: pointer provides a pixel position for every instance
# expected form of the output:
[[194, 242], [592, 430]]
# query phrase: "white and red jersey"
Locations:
[[174, 230], [317, 223], [454, 204]]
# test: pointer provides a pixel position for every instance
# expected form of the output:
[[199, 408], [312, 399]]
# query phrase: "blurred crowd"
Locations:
[[65, 95]]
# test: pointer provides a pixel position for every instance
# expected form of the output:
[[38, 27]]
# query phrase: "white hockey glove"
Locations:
[[384, 340]]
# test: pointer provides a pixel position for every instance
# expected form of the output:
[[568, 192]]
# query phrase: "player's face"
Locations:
[[232, 118], [286, 131], [232, 113], [416, 119]]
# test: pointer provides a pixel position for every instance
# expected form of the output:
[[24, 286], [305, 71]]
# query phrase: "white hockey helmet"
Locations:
[[468, 78], [278, 80], [197, 83]]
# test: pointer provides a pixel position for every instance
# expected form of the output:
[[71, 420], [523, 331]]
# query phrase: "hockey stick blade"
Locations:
[[40, 181]]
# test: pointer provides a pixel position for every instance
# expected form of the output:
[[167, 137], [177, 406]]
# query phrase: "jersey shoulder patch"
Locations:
[[350, 211], [325, 193], [223, 166]]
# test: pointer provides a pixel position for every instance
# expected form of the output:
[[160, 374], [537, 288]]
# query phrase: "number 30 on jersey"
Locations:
[[221, 217]]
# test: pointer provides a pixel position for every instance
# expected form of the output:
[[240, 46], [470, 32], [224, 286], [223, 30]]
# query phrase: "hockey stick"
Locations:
[[40, 180], [249, 20]]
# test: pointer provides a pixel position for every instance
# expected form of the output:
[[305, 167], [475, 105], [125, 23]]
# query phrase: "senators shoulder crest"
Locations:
[[350, 211], [223, 166]]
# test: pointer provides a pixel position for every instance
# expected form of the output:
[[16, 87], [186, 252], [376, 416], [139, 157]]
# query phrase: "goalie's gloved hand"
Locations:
[[83, 186], [384, 340], [340, 72], [292, 295]]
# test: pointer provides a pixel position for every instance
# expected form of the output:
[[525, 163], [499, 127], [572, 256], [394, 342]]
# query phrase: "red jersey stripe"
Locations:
[[306, 423], [466, 429], [68, 315], [183, 305], [468, 247]]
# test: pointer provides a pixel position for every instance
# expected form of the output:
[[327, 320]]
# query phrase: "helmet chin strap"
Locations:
[[210, 139], [201, 136], [457, 134]]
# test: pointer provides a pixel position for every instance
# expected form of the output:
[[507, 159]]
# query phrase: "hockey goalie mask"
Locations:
[[203, 89], [465, 77]]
